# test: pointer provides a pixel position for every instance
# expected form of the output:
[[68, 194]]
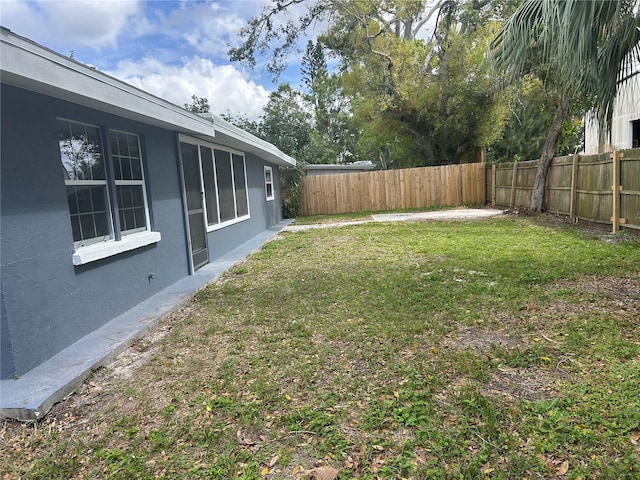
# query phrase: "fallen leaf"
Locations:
[[273, 461], [264, 471], [563, 468], [244, 439], [323, 473]]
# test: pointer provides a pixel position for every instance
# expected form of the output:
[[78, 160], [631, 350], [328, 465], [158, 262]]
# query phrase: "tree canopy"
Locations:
[[411, 86]]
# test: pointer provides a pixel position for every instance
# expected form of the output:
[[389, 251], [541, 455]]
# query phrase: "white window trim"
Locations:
[[98, 251], [271, 197]]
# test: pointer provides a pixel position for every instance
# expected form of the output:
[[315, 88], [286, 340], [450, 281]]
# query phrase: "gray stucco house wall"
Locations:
[[57, 287]]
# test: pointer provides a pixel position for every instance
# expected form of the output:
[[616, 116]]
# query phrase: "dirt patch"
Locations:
[[520, 384], [513, 384], [480, 340], [126, 364], [611, 295], [618, 288]]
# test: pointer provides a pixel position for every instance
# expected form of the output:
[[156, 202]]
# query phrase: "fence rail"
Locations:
[[394, 189], [603, 188]]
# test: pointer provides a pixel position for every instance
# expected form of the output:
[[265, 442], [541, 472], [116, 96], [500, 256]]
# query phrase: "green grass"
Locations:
[[502, 349]]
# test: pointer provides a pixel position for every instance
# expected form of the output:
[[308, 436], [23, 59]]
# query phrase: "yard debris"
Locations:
[[323, 473]]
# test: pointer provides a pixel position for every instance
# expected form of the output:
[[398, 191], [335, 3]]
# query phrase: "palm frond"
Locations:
[[586, 47]]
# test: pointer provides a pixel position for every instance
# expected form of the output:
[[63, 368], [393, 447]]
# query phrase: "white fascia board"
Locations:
[[28, 65], [232, 136]]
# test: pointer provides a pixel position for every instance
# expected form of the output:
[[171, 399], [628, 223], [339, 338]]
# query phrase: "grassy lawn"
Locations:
[[503, 348]]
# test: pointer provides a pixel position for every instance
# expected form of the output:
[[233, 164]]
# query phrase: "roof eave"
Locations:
[[29, 65]]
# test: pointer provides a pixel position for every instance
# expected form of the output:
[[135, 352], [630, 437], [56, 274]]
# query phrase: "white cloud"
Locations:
[[208, 28], [21, 17], [226, 88], [89, 23]]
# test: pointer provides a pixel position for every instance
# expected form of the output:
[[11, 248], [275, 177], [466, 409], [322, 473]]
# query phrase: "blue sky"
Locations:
[[173, 49]]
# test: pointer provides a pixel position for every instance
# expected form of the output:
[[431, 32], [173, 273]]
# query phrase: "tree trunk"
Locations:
[[548, 151]]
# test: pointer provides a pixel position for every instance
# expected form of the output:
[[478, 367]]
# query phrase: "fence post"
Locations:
[[574, 188], [616, 191], [493, 184], [512, 203], [460, 184]]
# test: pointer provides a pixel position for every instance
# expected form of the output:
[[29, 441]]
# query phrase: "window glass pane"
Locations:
[[89, 214], [210, 193], [134, 151], [81, 151], [115, 150], [137, 197], [242, 206], [131, 208], [101, 221], [98, 200], [269, 190], [136, 169], [124, 197], [129, 220], [75, 228], [126, 156], [83, 196], [125, 165], [225, 185], [73, 200], [87, 226], [123, 144], [117, 168], [139, 217]]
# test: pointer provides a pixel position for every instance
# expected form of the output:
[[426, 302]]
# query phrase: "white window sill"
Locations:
[[218, 226], [98, 251]]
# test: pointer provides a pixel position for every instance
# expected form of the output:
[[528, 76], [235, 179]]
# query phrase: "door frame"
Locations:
[[184, 140]]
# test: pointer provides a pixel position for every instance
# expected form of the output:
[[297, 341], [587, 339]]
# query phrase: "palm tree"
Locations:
[[583, 50]]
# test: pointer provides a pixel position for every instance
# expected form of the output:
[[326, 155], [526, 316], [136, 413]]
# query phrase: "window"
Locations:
[[129, 183], [82, 159], [107, 197], [268, 182], [224, 182]]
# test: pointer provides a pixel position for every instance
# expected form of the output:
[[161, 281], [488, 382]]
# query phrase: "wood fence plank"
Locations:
[[615, 204], [512, 203], [574, 187]]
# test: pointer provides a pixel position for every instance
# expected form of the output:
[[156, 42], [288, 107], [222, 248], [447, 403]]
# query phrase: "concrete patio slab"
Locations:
[[453, 214]]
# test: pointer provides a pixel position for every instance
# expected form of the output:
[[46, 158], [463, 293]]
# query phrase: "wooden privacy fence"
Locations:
[[603, 188], [395, 189]]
